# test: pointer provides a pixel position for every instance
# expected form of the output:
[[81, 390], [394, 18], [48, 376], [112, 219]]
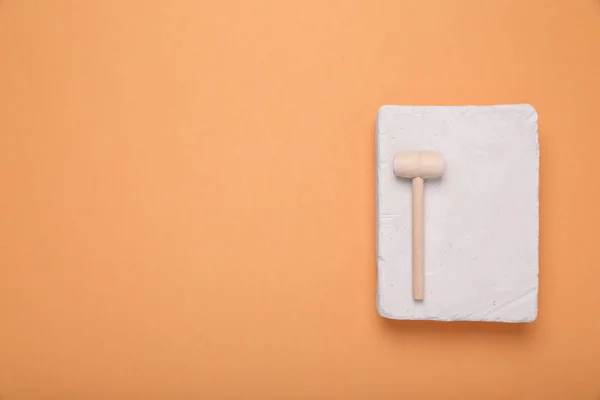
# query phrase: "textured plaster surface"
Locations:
[[481, 218]]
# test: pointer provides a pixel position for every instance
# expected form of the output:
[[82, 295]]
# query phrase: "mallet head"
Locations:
[[422, 164]]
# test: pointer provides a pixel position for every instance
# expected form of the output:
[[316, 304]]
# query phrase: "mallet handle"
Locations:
[[417, 238]]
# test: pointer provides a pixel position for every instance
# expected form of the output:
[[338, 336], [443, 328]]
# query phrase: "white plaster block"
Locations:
[[481, 219]]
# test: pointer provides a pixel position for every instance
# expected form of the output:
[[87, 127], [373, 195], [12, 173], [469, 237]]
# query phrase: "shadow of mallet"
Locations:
[[418, 165]]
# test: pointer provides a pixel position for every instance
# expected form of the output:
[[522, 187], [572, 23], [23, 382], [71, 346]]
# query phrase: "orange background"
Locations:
[[187, 202]]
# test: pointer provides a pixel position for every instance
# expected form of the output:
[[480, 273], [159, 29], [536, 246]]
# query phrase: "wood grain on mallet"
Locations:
[[418, 165], [417, 238]]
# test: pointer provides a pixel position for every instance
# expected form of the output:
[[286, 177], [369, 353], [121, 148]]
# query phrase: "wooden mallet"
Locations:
[[418, 165]]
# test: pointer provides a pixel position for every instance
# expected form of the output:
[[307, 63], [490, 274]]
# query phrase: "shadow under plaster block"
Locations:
[[481, 219]]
